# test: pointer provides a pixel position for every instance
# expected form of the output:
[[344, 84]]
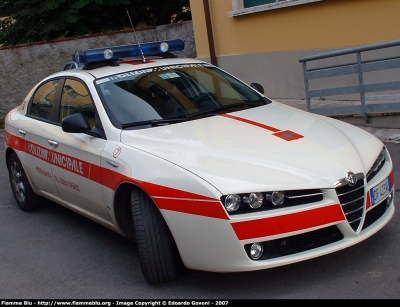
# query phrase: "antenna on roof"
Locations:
[[140, 47]]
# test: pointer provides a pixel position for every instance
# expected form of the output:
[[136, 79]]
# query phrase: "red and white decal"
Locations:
[[168, 198], [165, 197], [116, 152], [66, 162], [287, 135], [277, 225]]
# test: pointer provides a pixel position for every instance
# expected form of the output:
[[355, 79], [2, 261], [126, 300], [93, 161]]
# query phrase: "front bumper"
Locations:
[[288, 235]]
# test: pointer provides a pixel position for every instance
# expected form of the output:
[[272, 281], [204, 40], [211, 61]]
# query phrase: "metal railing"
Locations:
[[358, 67]]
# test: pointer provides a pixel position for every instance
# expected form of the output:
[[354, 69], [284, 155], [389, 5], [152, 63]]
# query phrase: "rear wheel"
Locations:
[[159, 257], [26, 198]]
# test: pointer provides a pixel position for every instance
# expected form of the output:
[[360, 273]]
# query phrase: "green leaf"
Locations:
[[44, 20]]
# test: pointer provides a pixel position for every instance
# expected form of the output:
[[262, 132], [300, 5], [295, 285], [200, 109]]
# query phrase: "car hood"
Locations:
[[274, 145]]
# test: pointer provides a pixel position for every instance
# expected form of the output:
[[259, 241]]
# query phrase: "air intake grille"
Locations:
[[352, 201], [299, 243], [374, 214]]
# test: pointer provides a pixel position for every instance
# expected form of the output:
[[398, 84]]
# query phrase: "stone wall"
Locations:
[[21, 67]]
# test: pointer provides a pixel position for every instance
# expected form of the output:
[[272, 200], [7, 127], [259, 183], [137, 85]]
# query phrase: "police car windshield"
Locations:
[[169, 93]]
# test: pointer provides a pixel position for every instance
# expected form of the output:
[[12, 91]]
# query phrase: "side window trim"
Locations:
[[97, 130], [56, 102]]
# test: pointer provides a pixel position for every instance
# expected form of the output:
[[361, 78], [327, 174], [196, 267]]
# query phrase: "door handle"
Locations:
[[113, 163], [53, 144], [22, 132]]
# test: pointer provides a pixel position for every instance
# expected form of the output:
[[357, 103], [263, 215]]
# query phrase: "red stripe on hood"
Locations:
[[251, 122]]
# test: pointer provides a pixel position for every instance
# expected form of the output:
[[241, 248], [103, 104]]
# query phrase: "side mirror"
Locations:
[[75, 123], [258, 87]]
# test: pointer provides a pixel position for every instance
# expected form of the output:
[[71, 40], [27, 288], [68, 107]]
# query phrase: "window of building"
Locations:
[[250, 3], [243, 7]]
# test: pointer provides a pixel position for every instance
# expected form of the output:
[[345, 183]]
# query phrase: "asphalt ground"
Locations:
[[54, 253]]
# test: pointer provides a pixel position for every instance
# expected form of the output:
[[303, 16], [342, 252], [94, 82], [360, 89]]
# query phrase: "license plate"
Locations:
[[380, 191]]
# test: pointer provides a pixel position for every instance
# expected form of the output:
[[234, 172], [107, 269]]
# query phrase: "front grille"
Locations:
[[299, 243], [351, 199], [375, 213]]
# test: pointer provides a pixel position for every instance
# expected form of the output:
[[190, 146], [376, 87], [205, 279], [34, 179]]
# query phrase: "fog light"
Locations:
[[389, 199], [256, 251], [232, 202]]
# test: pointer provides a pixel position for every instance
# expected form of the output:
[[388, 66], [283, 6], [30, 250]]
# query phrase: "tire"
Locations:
[[158, 254], [25, 197]]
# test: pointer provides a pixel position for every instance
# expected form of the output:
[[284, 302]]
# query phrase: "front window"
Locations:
[[75, 98], [174, 93]]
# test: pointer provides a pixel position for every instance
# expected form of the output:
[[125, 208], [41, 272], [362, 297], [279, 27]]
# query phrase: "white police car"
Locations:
[[198, 168]]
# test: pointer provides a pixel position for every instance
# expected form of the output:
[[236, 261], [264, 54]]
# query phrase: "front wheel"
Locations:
[[159, 257], [26, 198]]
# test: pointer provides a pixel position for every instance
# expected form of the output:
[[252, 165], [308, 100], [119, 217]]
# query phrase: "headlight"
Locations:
[[252, 202], [232, 202], [277, 197], [378, 161], [255, 200], [378, 164]]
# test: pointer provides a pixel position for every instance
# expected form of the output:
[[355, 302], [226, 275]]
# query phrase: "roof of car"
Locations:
[[137, 64], [125, 66]]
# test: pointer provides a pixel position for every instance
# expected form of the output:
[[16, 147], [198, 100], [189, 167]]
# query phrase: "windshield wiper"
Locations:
[[153, 122], [210, 111]]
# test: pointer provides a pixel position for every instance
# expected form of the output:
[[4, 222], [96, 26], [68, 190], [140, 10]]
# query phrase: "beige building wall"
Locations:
[[265, 46]]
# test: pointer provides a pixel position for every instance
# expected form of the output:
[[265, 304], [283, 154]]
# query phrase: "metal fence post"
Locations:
[[361, 85], [358, 67], [306, 86]]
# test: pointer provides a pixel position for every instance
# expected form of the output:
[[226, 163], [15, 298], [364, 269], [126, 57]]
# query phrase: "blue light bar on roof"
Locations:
[[119, 52]]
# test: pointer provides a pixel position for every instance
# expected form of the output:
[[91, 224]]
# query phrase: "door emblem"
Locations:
[[117, 152]]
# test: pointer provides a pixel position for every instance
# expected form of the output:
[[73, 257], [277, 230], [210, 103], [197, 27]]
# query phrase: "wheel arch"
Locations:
[[9, 151], [122, 209]]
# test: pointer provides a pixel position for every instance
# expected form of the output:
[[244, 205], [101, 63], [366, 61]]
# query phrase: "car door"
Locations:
[[34, 130], [76, 158]]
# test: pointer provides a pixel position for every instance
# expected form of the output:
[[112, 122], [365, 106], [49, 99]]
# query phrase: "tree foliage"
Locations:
[[44, 20]]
